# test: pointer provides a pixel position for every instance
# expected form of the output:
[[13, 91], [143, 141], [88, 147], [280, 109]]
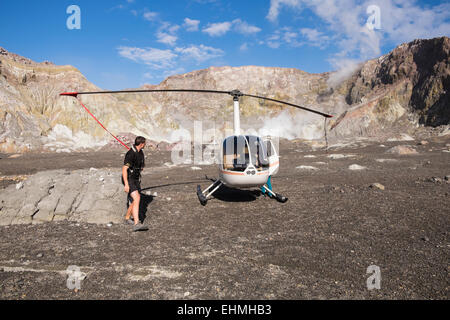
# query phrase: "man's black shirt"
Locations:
[[135, 162]]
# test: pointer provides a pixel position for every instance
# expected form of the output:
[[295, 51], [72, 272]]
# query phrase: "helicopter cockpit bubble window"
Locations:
[[258, 152], [270, 148], [240, 151], [236, 156]]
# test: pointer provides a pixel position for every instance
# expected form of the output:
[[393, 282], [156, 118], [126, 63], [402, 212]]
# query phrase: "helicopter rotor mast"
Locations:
[[236, 112]]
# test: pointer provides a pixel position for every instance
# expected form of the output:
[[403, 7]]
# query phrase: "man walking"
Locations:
[[131, 178]]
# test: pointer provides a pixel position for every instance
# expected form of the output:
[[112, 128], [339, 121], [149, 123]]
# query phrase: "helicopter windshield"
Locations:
[[240, 151], [258, 152]]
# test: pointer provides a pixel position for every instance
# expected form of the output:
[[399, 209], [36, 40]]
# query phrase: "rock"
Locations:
[[447, 178], [402, 150], [423, 143], [386, 160], [426, 239], [356, 167], [19, 185], [377, 185], [435, 180], [39, 255], [55, 196], [306, 168], [340, 156], [169, 164]]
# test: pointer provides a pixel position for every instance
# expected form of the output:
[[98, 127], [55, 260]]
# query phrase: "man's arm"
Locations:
[[125, 178]]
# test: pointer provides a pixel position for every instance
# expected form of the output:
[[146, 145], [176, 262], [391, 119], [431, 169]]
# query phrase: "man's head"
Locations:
[[139, 142]]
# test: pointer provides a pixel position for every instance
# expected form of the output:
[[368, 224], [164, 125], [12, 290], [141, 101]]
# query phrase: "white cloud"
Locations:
[[169, 60], [284, 36], [150, 15], [275, 7], [274, 40], [217, 29], [401, 21], [244, 28], [200, 53], [315, 37], [244, 47], [166, 38], [155, 58], [191, 25], [290, 37], [167, 33], [172, 28], [344, 20]]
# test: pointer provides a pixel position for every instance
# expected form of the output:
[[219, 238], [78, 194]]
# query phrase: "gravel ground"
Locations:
[[242, 245]]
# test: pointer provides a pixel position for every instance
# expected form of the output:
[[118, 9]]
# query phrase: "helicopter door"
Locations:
[[274, 160]]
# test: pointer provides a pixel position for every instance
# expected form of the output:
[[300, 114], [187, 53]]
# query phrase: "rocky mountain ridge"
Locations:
[[401, 92]]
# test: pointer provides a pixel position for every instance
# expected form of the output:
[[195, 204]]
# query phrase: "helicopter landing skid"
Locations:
[[277, 196], [201, 194]]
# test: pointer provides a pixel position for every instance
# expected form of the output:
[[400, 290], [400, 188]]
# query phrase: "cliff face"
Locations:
[[29, 104], [399, 90], [415, 76]]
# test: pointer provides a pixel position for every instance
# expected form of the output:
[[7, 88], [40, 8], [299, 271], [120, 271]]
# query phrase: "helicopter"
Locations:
[[248, 160]]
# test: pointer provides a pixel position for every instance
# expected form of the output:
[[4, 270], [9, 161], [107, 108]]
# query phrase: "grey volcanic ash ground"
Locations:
[[349, 208]]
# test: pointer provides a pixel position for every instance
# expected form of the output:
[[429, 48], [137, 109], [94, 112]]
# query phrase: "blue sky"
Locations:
[[126, 43]]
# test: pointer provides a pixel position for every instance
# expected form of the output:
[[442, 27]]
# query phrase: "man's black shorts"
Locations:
[[135, 184]]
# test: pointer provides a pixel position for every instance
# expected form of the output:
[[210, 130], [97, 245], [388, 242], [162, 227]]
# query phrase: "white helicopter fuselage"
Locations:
[[261, 162], [247, 179], [250, 178], [252, 175]]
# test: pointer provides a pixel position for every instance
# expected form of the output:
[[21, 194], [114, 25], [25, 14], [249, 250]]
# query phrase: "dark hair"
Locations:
[[139, 140]]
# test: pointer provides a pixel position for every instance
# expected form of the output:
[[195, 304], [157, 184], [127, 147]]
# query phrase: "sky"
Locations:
[[120, 44]]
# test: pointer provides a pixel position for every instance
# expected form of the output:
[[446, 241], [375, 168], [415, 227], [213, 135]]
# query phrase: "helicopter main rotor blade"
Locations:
[[290, 104], [234, 93]]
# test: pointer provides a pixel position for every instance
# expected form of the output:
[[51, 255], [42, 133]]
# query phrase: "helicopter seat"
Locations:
[[228, 161]]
